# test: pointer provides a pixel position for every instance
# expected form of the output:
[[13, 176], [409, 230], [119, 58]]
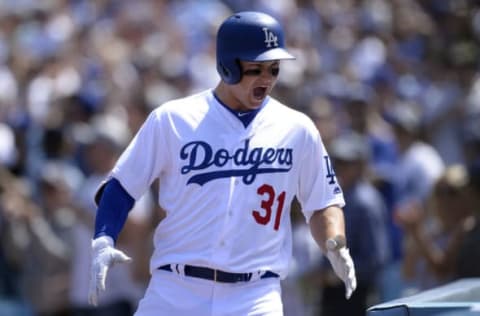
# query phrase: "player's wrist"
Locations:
[[335, 243], [102, 242]]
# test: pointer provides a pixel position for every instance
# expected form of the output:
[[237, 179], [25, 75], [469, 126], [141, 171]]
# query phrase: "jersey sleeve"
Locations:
[[144, 158], [318, 187]]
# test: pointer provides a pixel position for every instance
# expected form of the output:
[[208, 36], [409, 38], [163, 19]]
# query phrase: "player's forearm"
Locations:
[[113, 208], [327, 223]]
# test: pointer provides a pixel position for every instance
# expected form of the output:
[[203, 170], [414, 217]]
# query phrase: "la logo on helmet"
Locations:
[[270, 38]]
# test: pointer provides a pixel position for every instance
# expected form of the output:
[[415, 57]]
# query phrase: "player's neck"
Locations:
[[227, 97]]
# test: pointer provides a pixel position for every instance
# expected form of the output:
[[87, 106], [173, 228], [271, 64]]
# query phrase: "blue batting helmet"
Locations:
[[248, 36]]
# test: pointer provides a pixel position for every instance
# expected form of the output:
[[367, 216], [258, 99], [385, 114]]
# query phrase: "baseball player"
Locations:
[[229, 161]]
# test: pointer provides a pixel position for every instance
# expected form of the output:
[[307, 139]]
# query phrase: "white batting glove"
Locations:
[[342, 263], [104, 256]]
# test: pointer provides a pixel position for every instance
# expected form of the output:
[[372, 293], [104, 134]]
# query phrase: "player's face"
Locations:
[[258, 80]]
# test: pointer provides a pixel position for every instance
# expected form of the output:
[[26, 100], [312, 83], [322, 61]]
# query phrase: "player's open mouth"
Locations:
[[259, 93]]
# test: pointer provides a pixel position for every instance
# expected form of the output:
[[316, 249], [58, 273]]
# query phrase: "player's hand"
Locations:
[[104, 255], [342, 263]]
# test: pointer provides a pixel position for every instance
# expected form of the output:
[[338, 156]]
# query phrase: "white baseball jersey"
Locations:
[[226, 188]]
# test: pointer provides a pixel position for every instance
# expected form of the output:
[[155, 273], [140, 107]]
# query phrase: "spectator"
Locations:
[[468, 260], [437, 231], [365, 221], [322, 112], [417, 170], [12, 297], [364, 117], [48, 257], [43, 251]]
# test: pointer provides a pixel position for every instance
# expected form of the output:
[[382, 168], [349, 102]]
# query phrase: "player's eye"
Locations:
[[257, 72], [252, 72]]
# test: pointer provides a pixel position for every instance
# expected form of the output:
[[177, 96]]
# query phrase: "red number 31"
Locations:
[[263, 219]]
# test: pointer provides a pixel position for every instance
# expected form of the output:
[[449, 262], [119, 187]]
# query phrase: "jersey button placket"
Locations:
[[222, 242], [235, 181]]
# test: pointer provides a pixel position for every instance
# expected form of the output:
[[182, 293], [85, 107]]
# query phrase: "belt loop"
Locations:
[[214, 275], [255, 276], [181, 269]]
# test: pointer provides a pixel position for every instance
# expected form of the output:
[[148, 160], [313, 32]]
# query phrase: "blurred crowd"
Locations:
[[392, 85]]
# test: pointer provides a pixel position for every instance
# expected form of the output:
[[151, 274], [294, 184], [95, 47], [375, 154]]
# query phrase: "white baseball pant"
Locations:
[[173, 294]]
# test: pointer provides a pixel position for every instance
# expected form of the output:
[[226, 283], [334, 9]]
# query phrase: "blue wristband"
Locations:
[[113, 208]]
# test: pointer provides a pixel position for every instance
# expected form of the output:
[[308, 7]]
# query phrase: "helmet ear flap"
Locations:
[[230, 71], [224, 71]]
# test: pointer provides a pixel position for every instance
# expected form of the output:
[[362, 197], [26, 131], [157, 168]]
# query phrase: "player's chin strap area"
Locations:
[[217, 275]]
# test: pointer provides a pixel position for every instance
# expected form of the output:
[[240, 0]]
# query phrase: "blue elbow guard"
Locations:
[[113, 208]]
